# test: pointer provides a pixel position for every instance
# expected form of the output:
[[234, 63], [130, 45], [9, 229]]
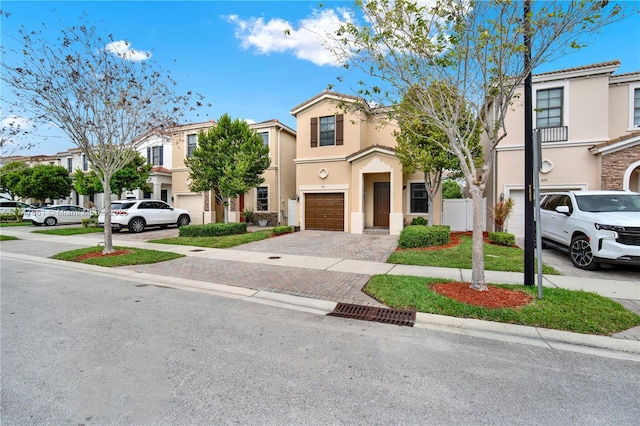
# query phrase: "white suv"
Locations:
[[136, 215], [594, 227]]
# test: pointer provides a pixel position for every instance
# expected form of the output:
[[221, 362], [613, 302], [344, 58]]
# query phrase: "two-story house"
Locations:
[[155, 146], [588, 122], [348, 176], [269, 199]]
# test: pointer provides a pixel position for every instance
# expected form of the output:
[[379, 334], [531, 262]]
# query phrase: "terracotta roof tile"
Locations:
[[583, 67]]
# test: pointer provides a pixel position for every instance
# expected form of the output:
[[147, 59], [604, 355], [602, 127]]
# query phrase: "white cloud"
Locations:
[[123, 49], [304, 39]]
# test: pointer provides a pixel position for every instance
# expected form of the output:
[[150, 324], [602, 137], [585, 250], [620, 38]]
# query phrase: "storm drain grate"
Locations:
[[194, 250], [373, 313]]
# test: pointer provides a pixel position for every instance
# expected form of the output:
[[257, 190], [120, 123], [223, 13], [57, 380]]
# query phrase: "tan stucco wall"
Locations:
[[619, 110], [588, 109]]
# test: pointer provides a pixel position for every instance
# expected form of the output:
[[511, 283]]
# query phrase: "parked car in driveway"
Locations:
[[61, 213], [10, 206], [137, 215], [593, 227]]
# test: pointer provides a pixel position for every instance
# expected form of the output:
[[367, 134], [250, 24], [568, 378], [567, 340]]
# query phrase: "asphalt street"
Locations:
[[95, 349]]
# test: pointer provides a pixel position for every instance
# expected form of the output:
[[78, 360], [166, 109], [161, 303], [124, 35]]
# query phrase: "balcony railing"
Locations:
[[554, 134]]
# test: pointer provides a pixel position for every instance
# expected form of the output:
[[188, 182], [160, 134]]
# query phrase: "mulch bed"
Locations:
[[96, 254], [495, 297]]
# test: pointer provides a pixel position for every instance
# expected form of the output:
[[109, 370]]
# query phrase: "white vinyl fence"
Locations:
[[458, 214]]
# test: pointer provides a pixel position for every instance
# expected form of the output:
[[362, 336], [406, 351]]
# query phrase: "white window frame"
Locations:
[[632, 90], [265, 138], [333, 117], [564, 85], [70, 164], [85, 163], [189, 153], [155, 152], [256, 200], [409, 197]]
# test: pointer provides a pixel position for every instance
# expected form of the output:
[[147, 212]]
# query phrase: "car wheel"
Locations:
[[581, 254], [50, 221], [183, 220], [137, 225]]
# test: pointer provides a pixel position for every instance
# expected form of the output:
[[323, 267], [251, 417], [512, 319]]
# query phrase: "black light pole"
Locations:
[[529, 219]]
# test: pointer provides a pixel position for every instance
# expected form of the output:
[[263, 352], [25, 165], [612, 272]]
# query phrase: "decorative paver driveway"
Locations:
[[372, 248]]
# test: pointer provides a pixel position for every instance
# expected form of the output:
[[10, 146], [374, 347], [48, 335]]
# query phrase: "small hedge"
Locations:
[[424, 236], [502, 238], [11, 217], [213, 229], [419, 221], [279, 230]]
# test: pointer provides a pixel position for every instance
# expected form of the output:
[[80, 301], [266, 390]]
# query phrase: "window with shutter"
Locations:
[[314, 132], [339, 129]]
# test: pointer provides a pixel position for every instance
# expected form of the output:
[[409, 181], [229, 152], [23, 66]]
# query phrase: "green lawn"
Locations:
[[8, 224], [226, 241], [496, 258], [69, 231], [136, 257], [560, 309], [7, 238]]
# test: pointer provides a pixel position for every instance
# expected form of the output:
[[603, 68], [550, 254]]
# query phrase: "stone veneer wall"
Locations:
[[614, 165]]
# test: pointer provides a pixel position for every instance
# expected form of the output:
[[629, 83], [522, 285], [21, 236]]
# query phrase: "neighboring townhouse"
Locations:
[[348, 176], [155, 146], [269, 200], [588, 121]]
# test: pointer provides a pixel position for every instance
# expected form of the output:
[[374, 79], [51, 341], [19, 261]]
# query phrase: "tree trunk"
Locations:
[[108, 235], [430, 198], [478, 281]]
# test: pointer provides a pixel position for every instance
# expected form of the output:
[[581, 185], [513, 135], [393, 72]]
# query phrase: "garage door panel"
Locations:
[[324, 212]]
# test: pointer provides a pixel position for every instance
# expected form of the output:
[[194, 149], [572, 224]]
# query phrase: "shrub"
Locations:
[[502, 238], [90, 222], [279, 230], [213, 229], [451, 190], [10, 217], [419, 221], [500, 213], [424, 236]]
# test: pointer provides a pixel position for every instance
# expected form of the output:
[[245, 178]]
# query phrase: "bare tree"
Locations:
[[474, 46], [98, 91]]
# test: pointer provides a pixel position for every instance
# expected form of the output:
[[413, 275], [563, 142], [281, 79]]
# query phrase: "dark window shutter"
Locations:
[[339, 129], [148, 155], [314, 132], [161, 156]]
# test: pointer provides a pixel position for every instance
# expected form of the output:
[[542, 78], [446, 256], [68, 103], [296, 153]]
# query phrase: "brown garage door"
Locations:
[[324, 212]]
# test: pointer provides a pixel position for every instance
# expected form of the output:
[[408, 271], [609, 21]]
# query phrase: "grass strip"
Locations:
[[225, 241], [496, 257], [8, 238], [136, 256], [69, 231], [560, 309]]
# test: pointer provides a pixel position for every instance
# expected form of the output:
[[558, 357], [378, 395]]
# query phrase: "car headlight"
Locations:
[[602, 227]]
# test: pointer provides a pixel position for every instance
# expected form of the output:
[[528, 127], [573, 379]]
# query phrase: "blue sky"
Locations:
[[235, 52]]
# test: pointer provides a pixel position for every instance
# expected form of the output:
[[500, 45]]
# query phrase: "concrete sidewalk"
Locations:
[[292, 267]]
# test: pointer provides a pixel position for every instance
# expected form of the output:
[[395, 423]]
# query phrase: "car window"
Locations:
[[147, 205], [609, 203], [9, 204], [162, 205], [121, 206]]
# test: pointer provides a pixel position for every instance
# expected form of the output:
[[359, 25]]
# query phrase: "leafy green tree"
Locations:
[[46, 181], [479, 48], [10, 176], [423, 146], [97, 90], [451, 190], [229, 160], [134, 175]]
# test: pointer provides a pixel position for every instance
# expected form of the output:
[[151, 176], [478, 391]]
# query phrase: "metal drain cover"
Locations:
[[373, 313], [197, 250]]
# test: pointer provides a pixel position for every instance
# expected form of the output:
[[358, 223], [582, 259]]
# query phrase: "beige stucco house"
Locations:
[[269, 200], [588, 120], [348, 177]]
